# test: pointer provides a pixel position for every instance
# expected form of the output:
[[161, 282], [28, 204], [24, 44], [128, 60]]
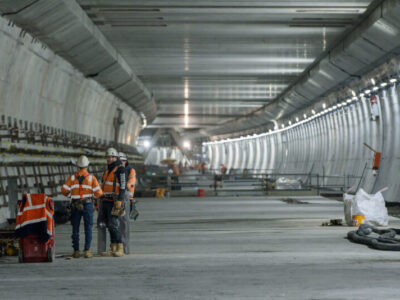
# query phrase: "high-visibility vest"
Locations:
[[108, 183], [35, 216], [131, 182], [81, 185]]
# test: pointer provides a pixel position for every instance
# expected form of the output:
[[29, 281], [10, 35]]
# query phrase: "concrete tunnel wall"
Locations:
[[331, 144], [37, 85]]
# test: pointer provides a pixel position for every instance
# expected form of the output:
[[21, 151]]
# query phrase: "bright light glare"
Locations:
[[146, 144], [323, 105], [313, 112], [373, 81], [186, 144], [186, 90], [186, 117], [393, 80]]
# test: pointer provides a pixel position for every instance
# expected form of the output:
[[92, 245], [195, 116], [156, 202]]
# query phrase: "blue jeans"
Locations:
[[76, 215]]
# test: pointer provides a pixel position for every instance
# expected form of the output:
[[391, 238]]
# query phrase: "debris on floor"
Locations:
[[333, 222], [293, 201]]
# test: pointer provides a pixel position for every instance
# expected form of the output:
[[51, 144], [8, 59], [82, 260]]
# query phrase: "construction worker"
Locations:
[[82, 188], [223, 169], [112, 202], [130, 174]]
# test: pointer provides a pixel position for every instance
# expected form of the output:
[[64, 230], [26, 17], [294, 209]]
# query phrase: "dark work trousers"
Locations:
[[124, 226], [111, 221], [76, 216]]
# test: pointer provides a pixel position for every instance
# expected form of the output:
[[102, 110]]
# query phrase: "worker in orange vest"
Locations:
[[223, 169], [130, 174], [112, 202], [82, 188]]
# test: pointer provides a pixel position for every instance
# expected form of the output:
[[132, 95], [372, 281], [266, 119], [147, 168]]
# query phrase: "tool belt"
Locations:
[[109, 198], [79, 204]]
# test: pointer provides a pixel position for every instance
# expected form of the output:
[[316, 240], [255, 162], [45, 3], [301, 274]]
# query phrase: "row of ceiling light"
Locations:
[[373, 89]]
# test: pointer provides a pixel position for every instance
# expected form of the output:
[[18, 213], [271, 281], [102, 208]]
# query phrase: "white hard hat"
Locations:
[[122, 156], [82, 161], [111, 152]]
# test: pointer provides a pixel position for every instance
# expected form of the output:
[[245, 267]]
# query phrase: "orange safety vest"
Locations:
[[108, 183], [131, 183], [35, 216], [79, 189]]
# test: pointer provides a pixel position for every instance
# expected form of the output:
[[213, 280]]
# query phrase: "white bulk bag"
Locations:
[[372, 206]]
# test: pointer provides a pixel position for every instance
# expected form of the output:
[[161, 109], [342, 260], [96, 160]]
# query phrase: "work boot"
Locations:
[[120, 250], [76, 254], [113, 248], [88, 254]]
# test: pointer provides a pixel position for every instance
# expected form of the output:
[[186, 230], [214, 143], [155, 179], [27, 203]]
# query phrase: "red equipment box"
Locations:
[[33, 250]]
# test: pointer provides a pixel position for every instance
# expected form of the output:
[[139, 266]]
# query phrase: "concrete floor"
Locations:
[[218, 248]]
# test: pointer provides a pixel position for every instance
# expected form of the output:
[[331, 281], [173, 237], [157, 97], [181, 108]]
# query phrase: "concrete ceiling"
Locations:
[[225, 59]]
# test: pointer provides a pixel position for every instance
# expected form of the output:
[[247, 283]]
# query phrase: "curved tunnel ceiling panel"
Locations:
[[69, 32], [376, 37]]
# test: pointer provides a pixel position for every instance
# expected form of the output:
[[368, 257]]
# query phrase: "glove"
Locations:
[[118, 209]]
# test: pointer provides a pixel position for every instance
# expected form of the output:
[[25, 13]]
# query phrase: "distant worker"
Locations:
[[82, 188], [203, 168], [198, 167], [181, 170], [223, 169], [175, 174], [112, 202], [130, 174]]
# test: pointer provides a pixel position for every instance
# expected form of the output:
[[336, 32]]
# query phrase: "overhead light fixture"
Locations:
[[283, 125], [334, 107], [290, 122], [323, 105], [146, 144], [393, 80], [186, 144], [361, 95], [368, 92], [383, 84], [313, 112], [355, 98], [348, 100], [340, 105], [375, 88], [305, 116], [373, 81], [353, 93], [297, 119]]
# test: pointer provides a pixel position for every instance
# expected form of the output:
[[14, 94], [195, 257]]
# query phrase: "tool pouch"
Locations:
[[118, 209], [77, 205]]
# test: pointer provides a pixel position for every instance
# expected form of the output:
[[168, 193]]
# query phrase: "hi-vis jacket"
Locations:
[[35, 216], [82, 185], [114, 181], [131, 181]]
